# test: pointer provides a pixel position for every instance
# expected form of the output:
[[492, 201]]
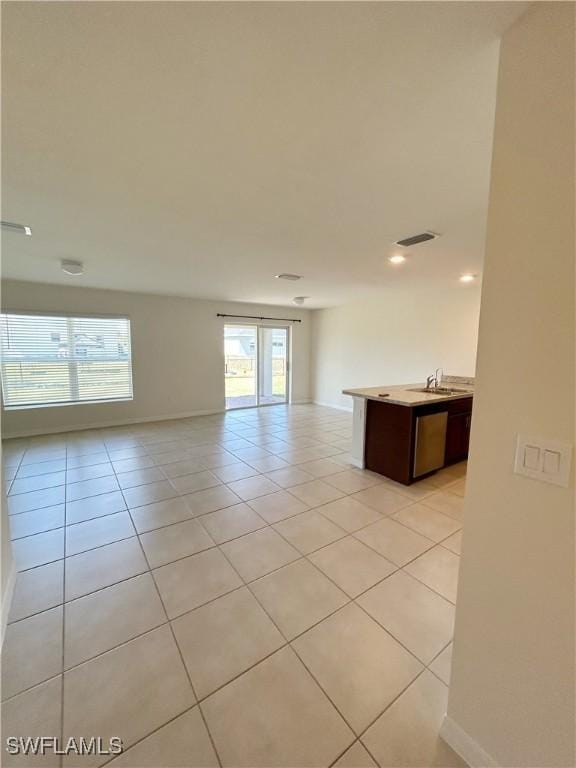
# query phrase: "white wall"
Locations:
[[396, 338], [512, 688], [177, 349]]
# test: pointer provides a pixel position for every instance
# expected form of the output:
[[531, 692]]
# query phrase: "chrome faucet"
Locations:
[[435, 378]]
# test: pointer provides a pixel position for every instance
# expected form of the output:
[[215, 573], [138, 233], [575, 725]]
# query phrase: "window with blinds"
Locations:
[[49, 360]]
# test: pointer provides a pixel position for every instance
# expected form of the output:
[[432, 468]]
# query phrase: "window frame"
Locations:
[[69, 316]]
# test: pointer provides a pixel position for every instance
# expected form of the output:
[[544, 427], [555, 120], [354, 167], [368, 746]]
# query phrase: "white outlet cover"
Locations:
[[524, 463]]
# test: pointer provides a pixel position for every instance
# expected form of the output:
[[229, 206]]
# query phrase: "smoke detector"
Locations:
[[24, 229], [299, 300], [423, 237], [72, 267]]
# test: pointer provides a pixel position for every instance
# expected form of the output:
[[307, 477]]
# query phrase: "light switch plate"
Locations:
[[543, 459]]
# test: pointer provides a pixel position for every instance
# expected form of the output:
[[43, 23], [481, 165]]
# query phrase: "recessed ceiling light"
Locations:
[[397, 258], [22, 228], [287, 276], [468, 278], [72, 267], [299, 300]]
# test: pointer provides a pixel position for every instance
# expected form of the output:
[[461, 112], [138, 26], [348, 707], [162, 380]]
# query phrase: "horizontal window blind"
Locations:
[[49, 360]]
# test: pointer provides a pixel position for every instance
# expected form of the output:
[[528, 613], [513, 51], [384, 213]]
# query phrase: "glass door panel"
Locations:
[[273, 366], [241, 365]]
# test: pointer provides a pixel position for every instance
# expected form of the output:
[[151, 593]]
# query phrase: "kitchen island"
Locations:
[[407, 432]]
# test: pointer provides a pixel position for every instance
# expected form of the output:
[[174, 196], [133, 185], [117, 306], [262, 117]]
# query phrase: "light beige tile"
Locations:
[[162, 513], [454, 543], [149, 494], [195, 580], [43, 467], [95, 506], [254, 727], [34, 713], [289, 476], [87, 460], [232, 522], [419, 618], [394, 541], [81, 537], [353, 566], [140, 477], [37, 482], [297, 596], [321, 467], [102, 567], [202, 502], [133, 690], [448, 503], [377, 668], [173, 542], [349, 513], [182, 743], [382, 499], [198, 481], [277, 506], [406, 735], [417, 491], [353, 480], [232, 472], [224, 638], [132, 464], [309, 531], [356, 757], [89, 473], [459, 487], [180, 468], [442, 665], [253, 487], [37, 521], [86, 488], [430, 523], [37, 589], [26, 502], [39, 549], [104, 619], [259, 553], [438, 569], [32, 651], [316, 492]]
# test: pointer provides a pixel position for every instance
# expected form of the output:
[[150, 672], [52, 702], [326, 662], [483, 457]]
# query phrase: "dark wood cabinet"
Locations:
[[389, 443], [457, 437]]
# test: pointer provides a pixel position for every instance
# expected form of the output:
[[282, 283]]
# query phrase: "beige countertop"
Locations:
[[401, 394]]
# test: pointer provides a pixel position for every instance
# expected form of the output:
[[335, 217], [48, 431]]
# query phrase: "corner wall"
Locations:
[[513, 687], [177, 354], [399, 337]]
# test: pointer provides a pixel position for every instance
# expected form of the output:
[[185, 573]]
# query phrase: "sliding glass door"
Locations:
[[255, 365]]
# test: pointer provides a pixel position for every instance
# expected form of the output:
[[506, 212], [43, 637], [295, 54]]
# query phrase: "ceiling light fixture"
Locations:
[[22, 228], [72, 267], [468, 278], [299, 300], [397, 258], [287, 276]]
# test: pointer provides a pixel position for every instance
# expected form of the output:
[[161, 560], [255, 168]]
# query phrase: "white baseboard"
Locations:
[[7, 601], [108, 424], [465, 746], [331, 405]]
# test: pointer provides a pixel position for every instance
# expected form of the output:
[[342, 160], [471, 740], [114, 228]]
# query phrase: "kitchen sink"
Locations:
[[441, 391]]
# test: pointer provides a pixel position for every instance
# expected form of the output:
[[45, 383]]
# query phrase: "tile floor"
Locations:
[[228, 590]]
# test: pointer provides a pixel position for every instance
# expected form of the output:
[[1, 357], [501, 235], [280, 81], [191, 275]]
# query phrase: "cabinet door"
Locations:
[[457, 437]]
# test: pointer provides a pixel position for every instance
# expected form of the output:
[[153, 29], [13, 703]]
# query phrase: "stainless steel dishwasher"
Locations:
[[430, 442]]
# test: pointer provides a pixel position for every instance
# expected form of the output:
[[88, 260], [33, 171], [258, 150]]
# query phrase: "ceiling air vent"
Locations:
[[416, 239]]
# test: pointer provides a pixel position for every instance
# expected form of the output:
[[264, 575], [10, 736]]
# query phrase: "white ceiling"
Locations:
[[200, 148]]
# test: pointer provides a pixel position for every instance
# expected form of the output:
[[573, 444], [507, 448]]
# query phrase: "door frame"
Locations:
[[258, 326]]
